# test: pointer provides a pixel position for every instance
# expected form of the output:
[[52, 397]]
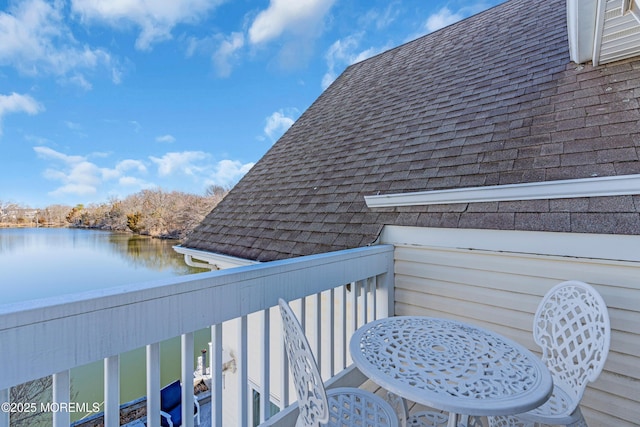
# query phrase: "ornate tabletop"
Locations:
[[451, 365]]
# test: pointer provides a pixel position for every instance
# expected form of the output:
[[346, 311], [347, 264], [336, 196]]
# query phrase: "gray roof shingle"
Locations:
[[490, 100]]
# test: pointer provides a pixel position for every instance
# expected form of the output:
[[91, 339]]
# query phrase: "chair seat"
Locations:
[[356, 407], [558, 409]]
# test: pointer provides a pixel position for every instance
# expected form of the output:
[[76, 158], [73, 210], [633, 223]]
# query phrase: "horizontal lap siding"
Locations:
[[501, 291]]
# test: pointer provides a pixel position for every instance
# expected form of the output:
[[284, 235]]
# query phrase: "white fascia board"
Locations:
[[561, 189], [581, 27], [211, 260], [616, 247]]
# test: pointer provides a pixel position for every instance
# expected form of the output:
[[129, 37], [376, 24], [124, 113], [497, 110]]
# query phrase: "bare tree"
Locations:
[[31, 393]]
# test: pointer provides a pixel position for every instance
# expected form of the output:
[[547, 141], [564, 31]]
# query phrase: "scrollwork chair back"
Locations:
[[572, 327], [312, 398]]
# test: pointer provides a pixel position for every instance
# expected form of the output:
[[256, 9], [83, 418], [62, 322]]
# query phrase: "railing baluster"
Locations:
[[303, 313], [365, 300], [61, 394], [343, 326], [332, 333], [284, 376], [318, 333], [374, 297], [4, 400], [265, 397], [112, 391], [243, 377], [186, 342], [153, 385], [354, 306], [215, 368]]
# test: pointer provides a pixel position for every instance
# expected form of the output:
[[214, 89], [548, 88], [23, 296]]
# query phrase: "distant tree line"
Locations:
[[152, 212]]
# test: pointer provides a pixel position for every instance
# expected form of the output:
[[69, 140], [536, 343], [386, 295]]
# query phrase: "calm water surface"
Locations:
[[43, 262]]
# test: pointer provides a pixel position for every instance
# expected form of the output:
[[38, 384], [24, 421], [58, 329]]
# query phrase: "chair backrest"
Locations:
[[572, 327], [170, 396], [312, 397]]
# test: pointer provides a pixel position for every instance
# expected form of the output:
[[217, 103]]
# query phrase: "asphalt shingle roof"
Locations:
[[490, 100]]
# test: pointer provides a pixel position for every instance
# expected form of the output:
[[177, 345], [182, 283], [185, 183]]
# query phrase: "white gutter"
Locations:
[[211, 260], [599, 29], [561, 189]]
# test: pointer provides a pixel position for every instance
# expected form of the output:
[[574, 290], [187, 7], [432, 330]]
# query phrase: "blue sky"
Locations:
[[100, 99]]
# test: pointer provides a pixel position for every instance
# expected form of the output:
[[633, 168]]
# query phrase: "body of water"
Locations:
[[37, 263]]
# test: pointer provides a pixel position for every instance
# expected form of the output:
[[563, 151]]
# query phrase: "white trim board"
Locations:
[[581, 245], [562, 189]]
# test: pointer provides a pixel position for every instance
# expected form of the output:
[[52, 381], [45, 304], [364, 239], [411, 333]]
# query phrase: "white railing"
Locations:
[[50, 337]]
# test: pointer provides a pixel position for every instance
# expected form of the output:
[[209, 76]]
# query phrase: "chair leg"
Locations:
[[581, 421], [399, 405]]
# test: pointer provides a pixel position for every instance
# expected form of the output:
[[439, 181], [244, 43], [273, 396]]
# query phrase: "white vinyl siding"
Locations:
[[501, 290]]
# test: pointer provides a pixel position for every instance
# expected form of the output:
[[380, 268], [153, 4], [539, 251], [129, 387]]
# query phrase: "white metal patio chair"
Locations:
[[572, 327], [340, 407]]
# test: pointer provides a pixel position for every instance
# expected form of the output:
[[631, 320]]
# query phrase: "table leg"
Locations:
[[453, 419], [458, 420]]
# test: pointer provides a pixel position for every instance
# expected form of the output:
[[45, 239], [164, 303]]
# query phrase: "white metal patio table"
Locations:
[[451, 366]]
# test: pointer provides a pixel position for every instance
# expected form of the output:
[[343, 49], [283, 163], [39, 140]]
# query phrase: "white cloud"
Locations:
[[199, 166], [297, 24], [35, 40], [226, 52], [446, 16], [17, 103], [78, 176], [129, 164], [343, 53], [166, 138], [73, 125], [227, 172], [155, 19], [186, 162], [298, 17], [278, 123], [442, 18]]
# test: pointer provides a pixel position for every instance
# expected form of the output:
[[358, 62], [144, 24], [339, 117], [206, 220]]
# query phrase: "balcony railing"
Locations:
[[50, 337]]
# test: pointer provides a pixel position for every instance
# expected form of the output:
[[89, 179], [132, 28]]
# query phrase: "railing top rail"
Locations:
[[47, 336]]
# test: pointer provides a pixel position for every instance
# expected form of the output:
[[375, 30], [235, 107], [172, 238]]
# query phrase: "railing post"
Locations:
[[385, 285], [153, 385], [343, 327], [61, 394], [216, 375], [187, 379], [284, 376], [332, 333], [243, 377], [4, 401], [112, 391], [318, 329], [265, 396]]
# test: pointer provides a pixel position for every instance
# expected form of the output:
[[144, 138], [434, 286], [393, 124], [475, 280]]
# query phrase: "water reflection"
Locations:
[[39, 263]]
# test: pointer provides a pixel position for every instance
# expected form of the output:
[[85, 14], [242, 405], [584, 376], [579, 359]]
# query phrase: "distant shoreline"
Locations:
[[13, 225]]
